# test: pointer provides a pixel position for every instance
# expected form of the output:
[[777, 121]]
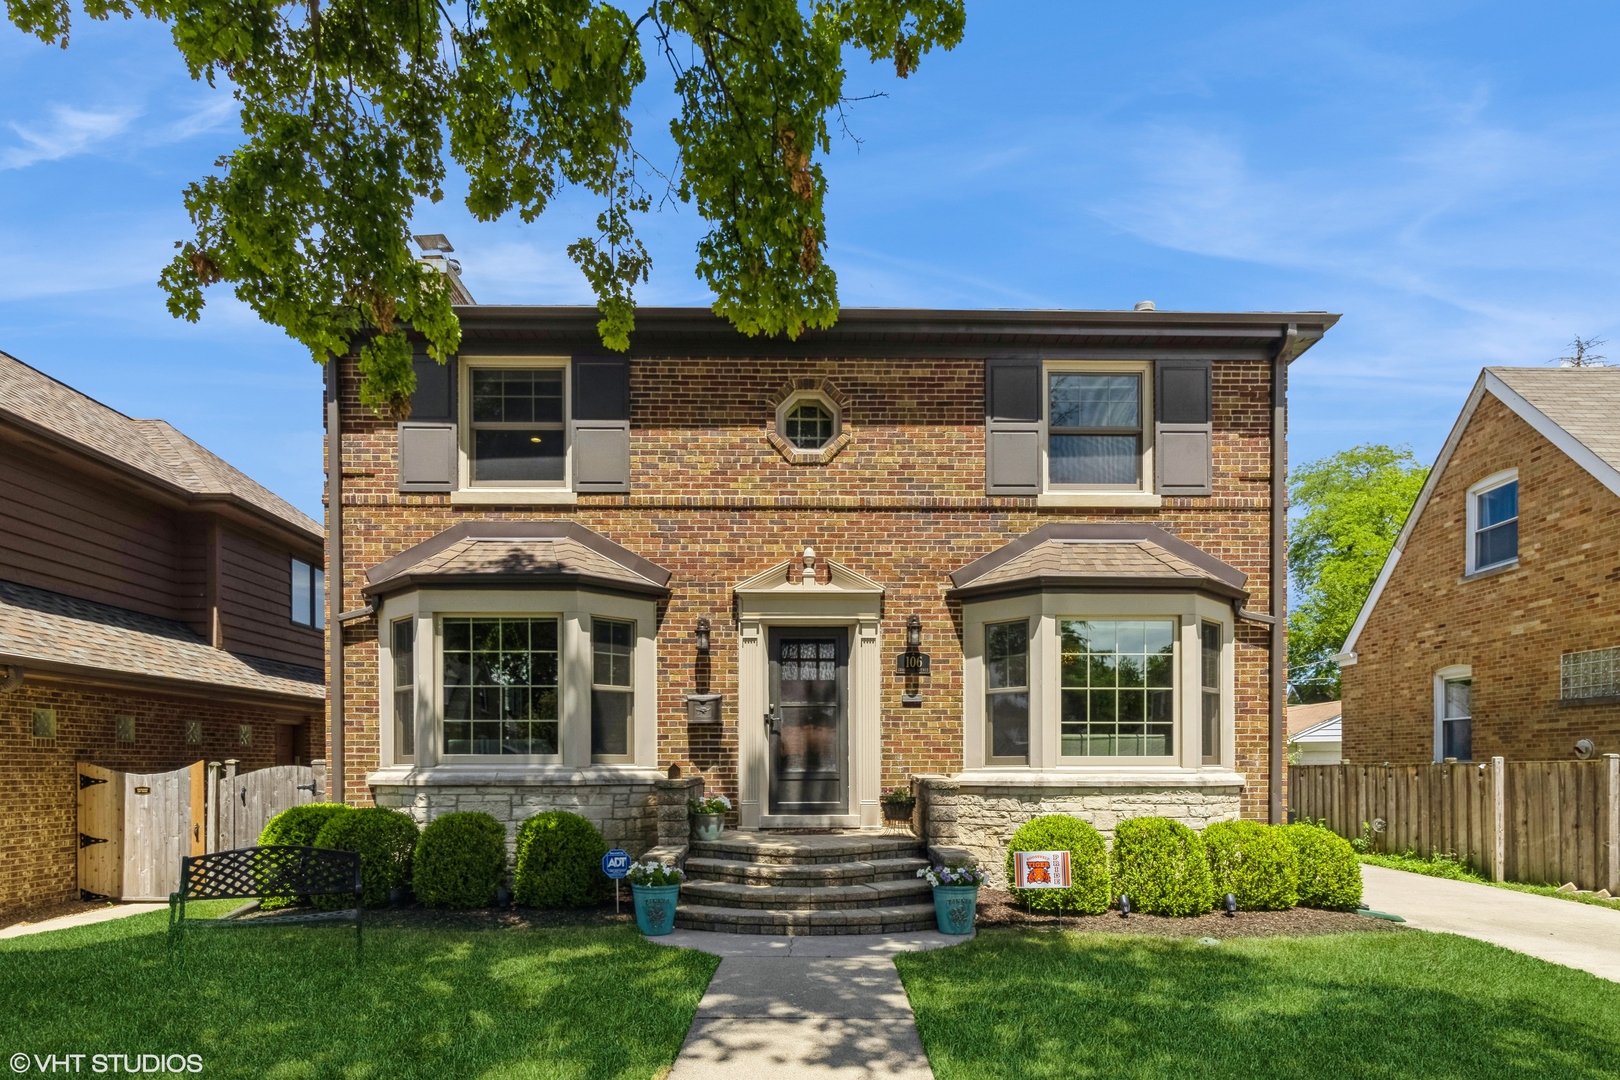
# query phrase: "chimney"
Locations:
[[436, 248]]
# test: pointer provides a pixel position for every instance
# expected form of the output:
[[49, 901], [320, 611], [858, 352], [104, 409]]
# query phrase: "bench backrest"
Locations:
[[278, 870]]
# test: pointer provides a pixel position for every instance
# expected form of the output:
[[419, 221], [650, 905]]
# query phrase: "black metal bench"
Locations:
[[281, 871]]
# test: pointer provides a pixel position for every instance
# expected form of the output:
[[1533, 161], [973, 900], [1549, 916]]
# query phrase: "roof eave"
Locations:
[[408, 581], [1096, 583]]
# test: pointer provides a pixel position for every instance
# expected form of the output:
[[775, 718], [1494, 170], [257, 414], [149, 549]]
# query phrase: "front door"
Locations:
[[809, 696]]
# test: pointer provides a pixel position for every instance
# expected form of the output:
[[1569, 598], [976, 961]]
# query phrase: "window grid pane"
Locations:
[[500, 686], [612, 653], [1589, 674], [809, 426], [1094, 436], [1496, 525], [1209, 669], [1006, 704], [1117, 688], [517, 420], [402, 648]]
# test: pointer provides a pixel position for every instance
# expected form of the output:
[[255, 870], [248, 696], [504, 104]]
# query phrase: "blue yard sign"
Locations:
[[616, 863]]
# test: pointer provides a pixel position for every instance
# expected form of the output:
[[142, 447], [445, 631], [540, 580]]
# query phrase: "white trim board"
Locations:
[[1488, 383]]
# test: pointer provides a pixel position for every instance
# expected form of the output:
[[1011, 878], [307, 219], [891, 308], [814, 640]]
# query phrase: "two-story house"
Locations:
[[157, 608], [1494, 626], [1028, 551]]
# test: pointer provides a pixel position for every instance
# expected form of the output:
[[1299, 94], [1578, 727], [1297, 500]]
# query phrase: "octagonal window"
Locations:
[[809, 425]]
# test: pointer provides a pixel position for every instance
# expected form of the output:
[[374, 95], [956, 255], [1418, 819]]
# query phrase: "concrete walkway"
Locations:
[[828, 1007], [1576, 935], [82, 918]]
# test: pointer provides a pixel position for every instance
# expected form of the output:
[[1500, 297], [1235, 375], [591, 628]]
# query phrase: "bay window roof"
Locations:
[[1112, 558], [519, 554]]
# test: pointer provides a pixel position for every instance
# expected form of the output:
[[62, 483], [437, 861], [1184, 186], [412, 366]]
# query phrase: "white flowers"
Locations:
[[656, 873], [716, 804], [965, 876]]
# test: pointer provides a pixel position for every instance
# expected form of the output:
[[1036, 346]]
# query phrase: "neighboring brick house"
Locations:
[[1494, 627], [555, 565], [146, 617]]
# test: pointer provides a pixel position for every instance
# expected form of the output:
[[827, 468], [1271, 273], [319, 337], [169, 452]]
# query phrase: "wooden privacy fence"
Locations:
[[240, 804], [1531, 821]]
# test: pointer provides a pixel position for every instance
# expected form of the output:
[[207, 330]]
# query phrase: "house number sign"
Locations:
[[1041, 869]]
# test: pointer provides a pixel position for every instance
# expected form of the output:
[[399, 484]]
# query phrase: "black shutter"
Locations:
[[599, 429], [1183, 432], [1012, 426]]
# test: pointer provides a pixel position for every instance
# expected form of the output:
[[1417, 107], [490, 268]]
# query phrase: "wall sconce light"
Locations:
[[703, 637], [913, 633], [913, 663]]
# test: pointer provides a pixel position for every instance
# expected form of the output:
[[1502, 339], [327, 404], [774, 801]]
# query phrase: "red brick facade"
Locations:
[[38, 831], [1510, 627], [903, 504]]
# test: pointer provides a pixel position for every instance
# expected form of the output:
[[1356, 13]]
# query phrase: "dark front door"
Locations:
[[809, 692]]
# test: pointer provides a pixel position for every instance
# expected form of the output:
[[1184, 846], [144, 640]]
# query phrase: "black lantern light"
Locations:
[[703, 637], [914, 633]]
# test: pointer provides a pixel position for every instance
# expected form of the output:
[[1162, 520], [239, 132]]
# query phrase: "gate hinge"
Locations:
[[86, 780], [87, 841]]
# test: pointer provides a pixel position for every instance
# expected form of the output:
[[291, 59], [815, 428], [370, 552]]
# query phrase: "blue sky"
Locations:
[[1443, 174]]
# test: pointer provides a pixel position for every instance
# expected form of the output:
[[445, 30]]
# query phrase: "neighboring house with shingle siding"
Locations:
[[555, 565], [147, 616], [1494, 626]]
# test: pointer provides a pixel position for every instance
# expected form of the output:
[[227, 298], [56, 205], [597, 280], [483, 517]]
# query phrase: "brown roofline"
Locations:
[[383, 577], [83, 674], [1088, 583], [1223, 573]]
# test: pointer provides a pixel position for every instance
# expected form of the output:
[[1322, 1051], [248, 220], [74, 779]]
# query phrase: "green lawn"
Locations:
[[1407, 1004], [287, 1004]]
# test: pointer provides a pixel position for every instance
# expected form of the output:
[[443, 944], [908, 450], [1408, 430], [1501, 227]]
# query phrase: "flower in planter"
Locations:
[[655, 873], [963, 876], [717, 804], [899, 797]]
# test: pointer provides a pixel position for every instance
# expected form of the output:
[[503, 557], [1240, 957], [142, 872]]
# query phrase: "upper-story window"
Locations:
[[518, 426], [1098, 427], [1493, 522], [308, 601]]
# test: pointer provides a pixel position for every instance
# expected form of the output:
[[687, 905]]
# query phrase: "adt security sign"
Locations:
[[616, 863]]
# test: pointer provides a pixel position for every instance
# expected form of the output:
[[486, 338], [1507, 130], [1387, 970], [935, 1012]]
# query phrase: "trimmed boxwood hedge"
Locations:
[[1254, 862], [1160, 864], [386, 841], [460, 861], [1329, 872], [559, 861], [1088, 864]]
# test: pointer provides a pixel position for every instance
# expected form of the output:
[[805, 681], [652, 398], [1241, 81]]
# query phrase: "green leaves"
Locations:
[[1352, 506], [346, 106]]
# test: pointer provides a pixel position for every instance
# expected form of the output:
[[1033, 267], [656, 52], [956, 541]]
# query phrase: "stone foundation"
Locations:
[[979, 815]]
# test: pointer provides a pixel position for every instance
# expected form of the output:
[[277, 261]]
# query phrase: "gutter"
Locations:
[[1276, 742]]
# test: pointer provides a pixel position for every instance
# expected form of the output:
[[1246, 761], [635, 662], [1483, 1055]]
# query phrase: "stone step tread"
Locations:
[[873, 920], [798, 849], [839, 873], [785, 897]]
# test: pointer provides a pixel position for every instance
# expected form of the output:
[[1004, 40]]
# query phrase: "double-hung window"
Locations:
[[612, 689], [1209, 678], [1493, 523], [1456, 708], [1095, 425], [1006, 707], [501, 686], [402, 648], [308, 599], [518, 423], [1117, 687]]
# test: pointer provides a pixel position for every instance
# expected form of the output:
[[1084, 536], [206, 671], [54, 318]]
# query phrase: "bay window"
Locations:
[[500, 687], [1118, 683], [612, 688], [1006, 663]]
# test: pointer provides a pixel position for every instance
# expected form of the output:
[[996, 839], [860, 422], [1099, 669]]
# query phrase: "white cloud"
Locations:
[[70, 131]]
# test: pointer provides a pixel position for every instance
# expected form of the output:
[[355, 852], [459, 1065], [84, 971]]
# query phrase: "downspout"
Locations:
[[1277, 755], [334, 575]]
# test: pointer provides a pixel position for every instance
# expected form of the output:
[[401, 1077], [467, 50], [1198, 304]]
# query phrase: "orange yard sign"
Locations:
[[1041, 869]]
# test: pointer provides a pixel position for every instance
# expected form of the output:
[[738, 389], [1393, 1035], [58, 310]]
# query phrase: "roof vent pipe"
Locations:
[[1145, 305]]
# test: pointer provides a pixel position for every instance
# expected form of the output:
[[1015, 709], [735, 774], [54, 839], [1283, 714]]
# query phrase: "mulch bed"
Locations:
[[998, 909]]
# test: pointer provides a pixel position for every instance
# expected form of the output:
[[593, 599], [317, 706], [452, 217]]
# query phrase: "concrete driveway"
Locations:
[[1576, 935]]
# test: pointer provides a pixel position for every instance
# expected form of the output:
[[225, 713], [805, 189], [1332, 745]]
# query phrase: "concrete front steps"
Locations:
[[806, 883]]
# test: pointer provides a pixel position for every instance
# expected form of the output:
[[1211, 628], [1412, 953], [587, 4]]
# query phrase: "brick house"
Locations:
[[157, 608], [1025, 554], [1494, 626]]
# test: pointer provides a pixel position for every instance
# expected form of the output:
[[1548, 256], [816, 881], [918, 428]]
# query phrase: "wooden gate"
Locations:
[[134, 828], [244, 802]]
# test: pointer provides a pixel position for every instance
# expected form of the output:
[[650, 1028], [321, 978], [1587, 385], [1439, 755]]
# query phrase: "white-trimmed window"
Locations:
[[1006, 701], [1118, 687], [1493, 522], [1209, 685], [809, 420], [1098, 427], [308, 599], [613, 644], [500, 687], [402, 647], [1454, 713], [514, 423]]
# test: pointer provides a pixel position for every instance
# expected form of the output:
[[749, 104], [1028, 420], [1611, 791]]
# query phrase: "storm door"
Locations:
[[808, 718]]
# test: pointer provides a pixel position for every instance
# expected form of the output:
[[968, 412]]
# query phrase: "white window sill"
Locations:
[[1099, 498], [1489, 571], [512, 497]]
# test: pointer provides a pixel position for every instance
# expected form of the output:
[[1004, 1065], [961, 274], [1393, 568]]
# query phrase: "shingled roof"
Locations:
[[50, 632], [1113, 557], [153, 449], [504, 554]]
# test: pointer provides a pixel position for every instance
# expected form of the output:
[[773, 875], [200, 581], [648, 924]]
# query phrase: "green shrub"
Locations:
[[385, 839], [299, 825], [1254, 862], [1329, 873], [559, 861], [1160, 864], [460, 861], [1088, 864]]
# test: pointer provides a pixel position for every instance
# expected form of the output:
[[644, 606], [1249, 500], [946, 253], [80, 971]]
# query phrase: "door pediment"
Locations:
[[777, 593]]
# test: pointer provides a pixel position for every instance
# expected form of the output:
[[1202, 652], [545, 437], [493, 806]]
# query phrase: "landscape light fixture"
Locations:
[[1124, 906], [703, 637], [1231, 905]]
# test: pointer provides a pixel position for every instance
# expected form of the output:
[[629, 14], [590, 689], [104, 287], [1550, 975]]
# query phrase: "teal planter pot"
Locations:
[[655, 908], [708, 826], [954, 907]]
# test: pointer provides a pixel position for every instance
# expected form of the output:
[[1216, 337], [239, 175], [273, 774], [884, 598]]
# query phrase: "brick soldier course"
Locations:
[[900, 500], [1505, 627]]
